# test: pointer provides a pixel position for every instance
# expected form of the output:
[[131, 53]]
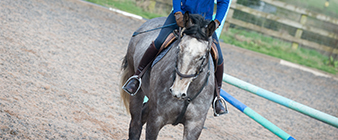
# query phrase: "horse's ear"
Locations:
[[211, 28], [187, 20]]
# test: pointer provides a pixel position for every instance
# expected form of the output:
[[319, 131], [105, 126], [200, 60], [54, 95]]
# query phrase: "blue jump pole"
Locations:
[[255, 116], [281, 100]]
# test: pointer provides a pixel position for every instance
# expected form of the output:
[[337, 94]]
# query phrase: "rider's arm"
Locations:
[[177, 6], [222, 8]]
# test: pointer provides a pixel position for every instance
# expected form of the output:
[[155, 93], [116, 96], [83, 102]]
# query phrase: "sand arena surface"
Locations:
[[59, 79]]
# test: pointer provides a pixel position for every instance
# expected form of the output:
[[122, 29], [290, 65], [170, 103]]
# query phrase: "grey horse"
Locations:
[[180, 87]]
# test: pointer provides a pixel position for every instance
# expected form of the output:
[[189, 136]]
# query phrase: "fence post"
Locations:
[[229, 15], [299, 32]]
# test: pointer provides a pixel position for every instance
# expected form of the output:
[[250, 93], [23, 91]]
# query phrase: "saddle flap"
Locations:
[[214, 52], [170, 39], [164, 48]]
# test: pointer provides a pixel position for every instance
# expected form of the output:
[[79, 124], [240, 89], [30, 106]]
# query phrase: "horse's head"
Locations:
[[193, 53]]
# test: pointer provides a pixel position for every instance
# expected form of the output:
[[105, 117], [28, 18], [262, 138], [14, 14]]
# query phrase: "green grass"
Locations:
[[277, 48], [245, 39], [128, 6]]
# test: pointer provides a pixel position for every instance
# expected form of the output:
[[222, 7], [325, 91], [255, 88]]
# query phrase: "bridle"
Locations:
[[200, 68], [198, 72], [194, 76]]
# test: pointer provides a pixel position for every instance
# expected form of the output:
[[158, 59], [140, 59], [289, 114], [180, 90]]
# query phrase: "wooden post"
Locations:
[[299, 32], [229, 16]]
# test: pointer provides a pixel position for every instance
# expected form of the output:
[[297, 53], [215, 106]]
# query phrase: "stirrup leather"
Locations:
[[224, 104], [133, 77]]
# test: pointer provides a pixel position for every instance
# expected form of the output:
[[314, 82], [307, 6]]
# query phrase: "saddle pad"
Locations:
[[161, 55]]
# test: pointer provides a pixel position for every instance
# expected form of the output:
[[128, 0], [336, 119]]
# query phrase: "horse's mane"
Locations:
[[197, 30]]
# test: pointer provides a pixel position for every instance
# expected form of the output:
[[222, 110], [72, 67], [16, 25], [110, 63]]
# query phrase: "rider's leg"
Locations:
[[133, 84], [219, 108]]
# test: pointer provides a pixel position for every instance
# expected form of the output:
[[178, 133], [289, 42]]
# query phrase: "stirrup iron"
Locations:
[[224, 104], [139, 86]]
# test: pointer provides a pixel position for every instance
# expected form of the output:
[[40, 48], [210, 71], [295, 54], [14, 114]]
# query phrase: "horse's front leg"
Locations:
[[193, 129], [135, 126], [154, 124]]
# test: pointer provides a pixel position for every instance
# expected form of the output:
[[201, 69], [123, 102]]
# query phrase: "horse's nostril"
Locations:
[[170, 90], [183, 94]]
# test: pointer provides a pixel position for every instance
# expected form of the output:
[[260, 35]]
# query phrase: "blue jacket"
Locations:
[[202, 7]]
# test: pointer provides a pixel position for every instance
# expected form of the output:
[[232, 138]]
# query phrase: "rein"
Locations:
[[165, 26], [188, 100]]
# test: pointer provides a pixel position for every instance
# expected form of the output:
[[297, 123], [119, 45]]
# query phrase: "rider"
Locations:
[[202, 7]]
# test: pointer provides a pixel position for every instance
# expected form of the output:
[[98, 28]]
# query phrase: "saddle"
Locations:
[[174, 36]]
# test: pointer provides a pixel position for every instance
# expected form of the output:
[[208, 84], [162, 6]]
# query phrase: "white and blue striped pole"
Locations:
[[281, 100], [255, 116]]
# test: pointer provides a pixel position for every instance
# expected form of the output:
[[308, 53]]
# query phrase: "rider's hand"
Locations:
[[217, 23], [179, 19]]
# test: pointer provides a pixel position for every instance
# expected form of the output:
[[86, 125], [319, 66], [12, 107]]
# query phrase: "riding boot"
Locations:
[[218, 106], [135, 81]]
